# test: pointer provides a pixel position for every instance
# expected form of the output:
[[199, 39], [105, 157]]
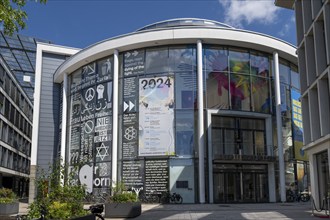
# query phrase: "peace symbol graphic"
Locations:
[[89, 95]]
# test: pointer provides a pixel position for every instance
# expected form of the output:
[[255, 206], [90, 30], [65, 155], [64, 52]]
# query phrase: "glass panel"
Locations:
[[217, 90], [184, 133], [216, 60], [284, 73], [323, 174], [248, 187], [157, 60], [239, 61], [240, 92], [233, 187], [260, 95], [182, 59], [223, 122], [247, 142], [259, 65], [185, 90], [262, 187], [259, 138], [295, 80], [105, 69], [229, 141], [219, 187], [217, 142], [285, 100]]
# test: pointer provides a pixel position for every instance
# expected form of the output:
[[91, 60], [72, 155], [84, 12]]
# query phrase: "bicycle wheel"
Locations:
[[154, 199], [98, 217], [178, 199]]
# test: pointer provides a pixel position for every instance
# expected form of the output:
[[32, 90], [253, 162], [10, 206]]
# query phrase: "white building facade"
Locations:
[[186, 105], [313, 38]]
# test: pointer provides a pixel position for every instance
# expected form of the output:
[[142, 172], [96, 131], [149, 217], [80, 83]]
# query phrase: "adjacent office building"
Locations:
[[313, 38], [17, 66], [190, 106]]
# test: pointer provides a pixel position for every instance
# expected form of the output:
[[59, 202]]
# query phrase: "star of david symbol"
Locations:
[[100, 149]]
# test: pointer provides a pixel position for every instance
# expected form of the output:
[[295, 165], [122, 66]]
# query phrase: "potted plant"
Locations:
[[122, 203], [8, 202], [58, 200]]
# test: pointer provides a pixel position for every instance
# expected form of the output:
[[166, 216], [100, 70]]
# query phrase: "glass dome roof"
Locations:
[[197, 22]]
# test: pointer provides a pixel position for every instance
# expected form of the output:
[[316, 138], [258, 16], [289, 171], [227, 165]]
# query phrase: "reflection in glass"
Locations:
[[182, 59], [104, 69], [260, 94], [259, 65], [157, 60], [185, 90], [215, 60], [239, 61], [184, 133], [240, 92], [259, 137], [217, 90], [284, 73], [217, 142], [247, 142], [295, 80], [230, 142]]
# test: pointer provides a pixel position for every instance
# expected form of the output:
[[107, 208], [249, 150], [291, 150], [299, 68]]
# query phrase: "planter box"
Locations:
[[86, 217], [9, 209], [122, 210]]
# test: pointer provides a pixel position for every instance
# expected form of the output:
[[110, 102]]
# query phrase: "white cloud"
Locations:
[[238, 12], [289, 25]]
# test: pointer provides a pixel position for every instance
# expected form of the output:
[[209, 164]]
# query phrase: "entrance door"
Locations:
[[227, 187], [246, 183]]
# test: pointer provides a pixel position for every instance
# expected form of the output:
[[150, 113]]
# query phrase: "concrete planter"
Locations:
[[122, 210], [9, 209], [86, 217]]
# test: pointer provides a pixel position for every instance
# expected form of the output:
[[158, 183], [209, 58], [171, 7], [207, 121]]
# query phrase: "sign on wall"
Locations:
[[156, 116]]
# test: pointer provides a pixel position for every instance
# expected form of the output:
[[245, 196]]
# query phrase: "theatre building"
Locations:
[[189, 106]]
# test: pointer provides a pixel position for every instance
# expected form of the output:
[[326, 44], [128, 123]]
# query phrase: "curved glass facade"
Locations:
[[157, 136]]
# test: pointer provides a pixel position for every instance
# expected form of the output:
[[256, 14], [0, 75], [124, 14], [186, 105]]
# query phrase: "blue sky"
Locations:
[[80, 23]]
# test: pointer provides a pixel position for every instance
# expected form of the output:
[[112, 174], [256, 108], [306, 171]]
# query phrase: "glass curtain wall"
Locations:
[[159, 98], [237, 79], [157, 122]]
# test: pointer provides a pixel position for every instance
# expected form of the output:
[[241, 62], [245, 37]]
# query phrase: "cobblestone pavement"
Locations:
[[259, 211]]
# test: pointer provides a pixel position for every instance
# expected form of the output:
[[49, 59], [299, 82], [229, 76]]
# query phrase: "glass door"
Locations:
[[249, 183]]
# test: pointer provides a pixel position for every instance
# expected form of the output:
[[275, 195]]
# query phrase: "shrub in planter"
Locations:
[[60, 200], [8, 202], [122, 203]]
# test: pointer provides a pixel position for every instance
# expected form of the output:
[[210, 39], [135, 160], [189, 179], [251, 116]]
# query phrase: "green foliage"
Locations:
[[7, 196], [124, 197], [60, 198], [12, 15], [121, 195]]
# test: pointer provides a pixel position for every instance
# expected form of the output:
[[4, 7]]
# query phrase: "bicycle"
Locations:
[[21, 217], [148, 198], [97, 211], [171, 198]]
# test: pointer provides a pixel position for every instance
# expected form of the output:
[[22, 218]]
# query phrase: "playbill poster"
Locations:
[[156, 116]]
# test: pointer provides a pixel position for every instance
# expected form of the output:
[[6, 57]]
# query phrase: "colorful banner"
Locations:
[[297, 125], [156, 116]]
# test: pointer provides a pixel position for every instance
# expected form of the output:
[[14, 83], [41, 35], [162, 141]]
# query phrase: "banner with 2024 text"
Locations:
[[156, 116]]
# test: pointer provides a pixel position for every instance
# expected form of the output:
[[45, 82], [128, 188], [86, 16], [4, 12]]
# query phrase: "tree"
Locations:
[[12, 15]]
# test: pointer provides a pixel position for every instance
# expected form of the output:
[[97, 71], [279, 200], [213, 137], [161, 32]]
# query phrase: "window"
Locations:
[[157, 60], [240, 92], [239, 61]]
